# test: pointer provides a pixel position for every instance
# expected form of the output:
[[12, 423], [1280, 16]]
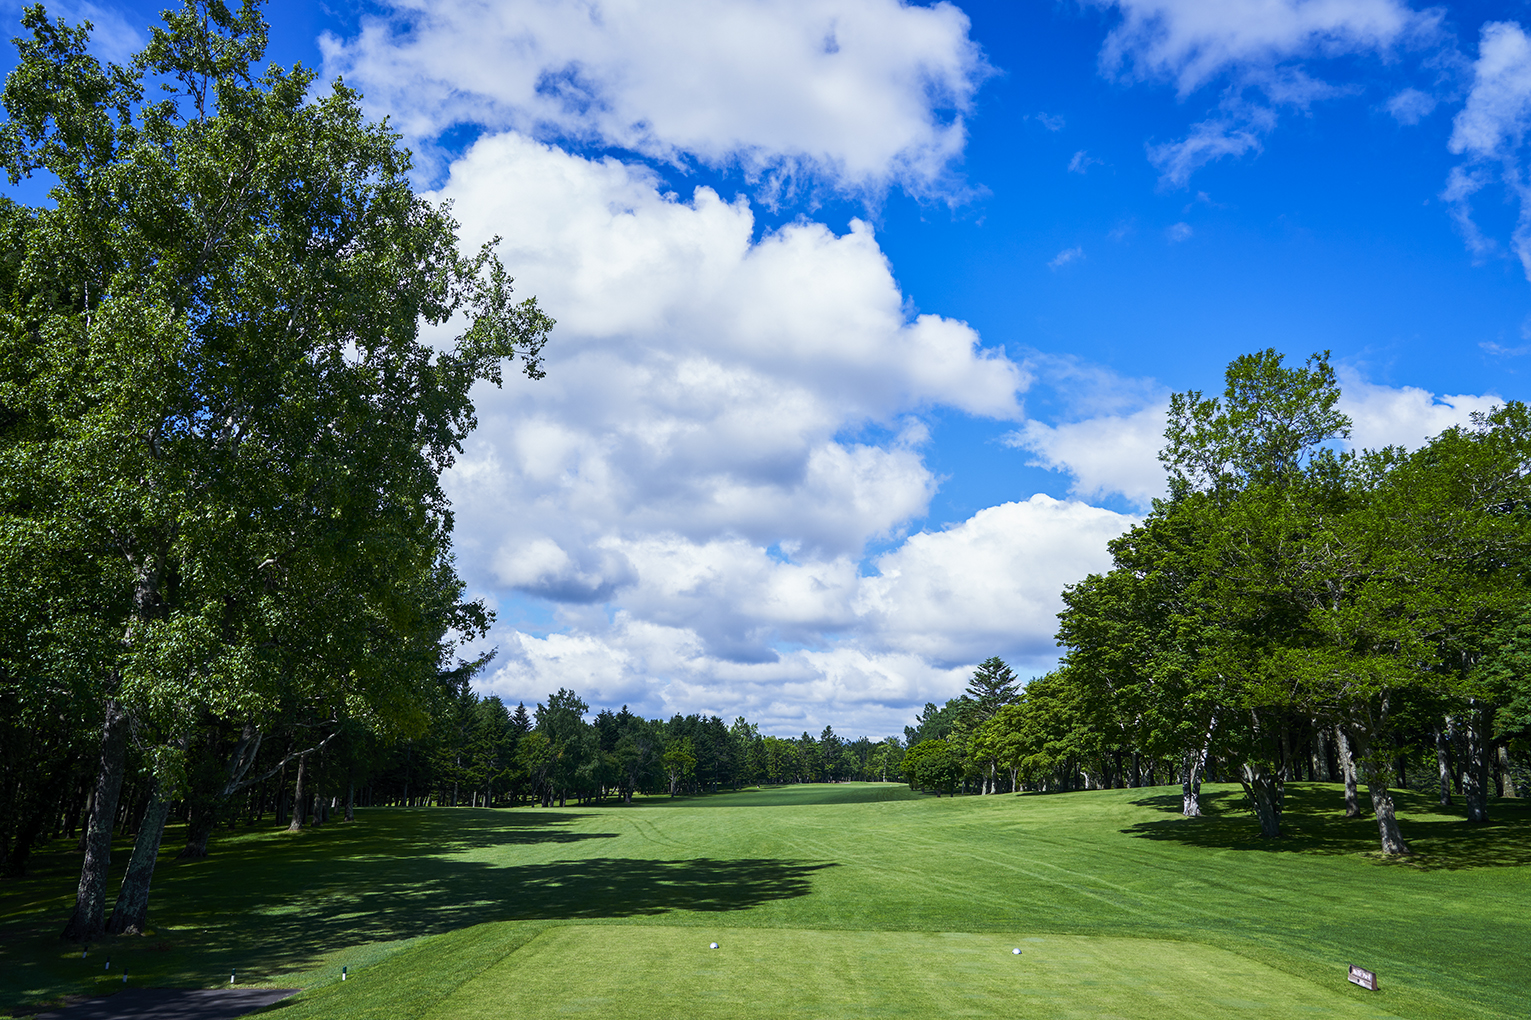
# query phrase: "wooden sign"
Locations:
[[1363, 977]]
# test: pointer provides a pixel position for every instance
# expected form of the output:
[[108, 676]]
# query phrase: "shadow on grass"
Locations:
[[271, 903], [1314, 823]]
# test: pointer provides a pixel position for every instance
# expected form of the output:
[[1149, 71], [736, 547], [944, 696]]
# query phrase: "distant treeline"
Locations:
[[476, 752]]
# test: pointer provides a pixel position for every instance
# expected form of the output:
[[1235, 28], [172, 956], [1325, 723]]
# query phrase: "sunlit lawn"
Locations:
[[827, 901]]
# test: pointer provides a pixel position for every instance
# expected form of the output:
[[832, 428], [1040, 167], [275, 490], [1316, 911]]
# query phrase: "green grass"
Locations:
[[792, 974], [829, 901]]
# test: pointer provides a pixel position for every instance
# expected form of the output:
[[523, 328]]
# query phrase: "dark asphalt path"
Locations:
[[172, 1004]]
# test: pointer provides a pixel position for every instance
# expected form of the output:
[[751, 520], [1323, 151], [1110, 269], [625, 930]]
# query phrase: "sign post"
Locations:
[[1363, 977]]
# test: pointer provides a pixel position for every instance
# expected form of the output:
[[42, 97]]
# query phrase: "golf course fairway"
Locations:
[[826, 901]]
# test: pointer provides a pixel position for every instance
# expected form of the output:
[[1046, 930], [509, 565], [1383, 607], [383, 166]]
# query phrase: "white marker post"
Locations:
[[343, 973], [231, 975]]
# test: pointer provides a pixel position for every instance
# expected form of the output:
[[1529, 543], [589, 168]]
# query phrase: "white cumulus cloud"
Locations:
[[994, 581], [1108, 455], [874, 647], [1403, 415], [860, 93], [726, 422]]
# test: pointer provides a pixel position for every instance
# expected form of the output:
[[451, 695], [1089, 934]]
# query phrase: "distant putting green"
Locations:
[[646, 972], [832, 901]]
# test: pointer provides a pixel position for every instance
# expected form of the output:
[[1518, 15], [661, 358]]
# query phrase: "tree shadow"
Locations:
[[269, 904], [1314, 823]]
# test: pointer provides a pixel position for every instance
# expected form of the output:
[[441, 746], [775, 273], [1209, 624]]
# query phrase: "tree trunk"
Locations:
[[1323, 749], [88, 919], [14, 864], [1443, 761], [351, 801], [1190, 786], [1264, 789], [1348, 770], [131, 912], [1382, 807], [1475, 775], [298, 807], [203, 818], [90, 805], [1504, 771]]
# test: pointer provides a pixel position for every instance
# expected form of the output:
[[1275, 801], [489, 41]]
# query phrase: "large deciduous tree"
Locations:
[[218, 410]]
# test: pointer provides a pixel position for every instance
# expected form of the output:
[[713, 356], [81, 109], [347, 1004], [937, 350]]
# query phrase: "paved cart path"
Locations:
[[172, 1004]]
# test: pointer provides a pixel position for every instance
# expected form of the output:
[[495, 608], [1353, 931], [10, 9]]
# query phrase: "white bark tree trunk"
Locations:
[[1347, 771], [1382, 807]]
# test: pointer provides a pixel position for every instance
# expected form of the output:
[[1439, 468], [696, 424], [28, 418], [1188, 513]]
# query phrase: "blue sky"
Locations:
[[868, 310]]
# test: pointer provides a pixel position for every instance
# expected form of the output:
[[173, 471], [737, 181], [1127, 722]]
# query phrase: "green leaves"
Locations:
[[1285, 585], [1269, 427], [219, 420]]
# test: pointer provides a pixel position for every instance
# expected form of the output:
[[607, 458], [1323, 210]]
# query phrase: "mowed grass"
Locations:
[[829, 901], [804, 975]]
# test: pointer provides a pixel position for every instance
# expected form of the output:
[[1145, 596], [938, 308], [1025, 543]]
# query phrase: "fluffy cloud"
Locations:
[[662, 670], [1490, 132], [1110, 455], [699, 378], [860, 92], [1403, 416], [685, 483], [993, 581], [1257, 47], [869, 647], [1498, 110]]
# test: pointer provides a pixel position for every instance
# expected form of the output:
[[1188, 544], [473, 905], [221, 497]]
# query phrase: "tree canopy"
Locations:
[[220, 421]]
